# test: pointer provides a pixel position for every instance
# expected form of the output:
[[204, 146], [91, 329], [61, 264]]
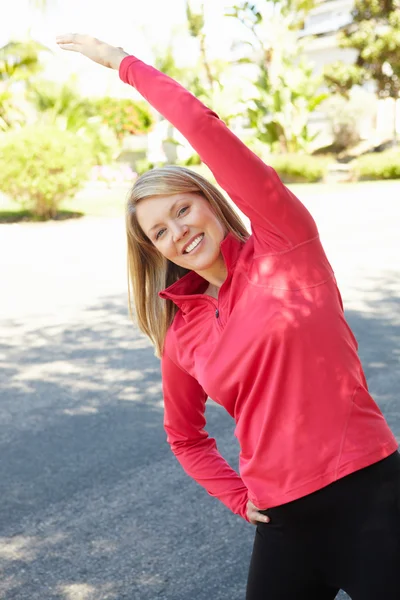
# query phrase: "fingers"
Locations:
[[254, 515], [72, 47], [68, 41], [74, 41], [68, 38]]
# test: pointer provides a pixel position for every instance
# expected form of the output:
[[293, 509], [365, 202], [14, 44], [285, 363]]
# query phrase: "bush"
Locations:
[[349, 118], [383, 165], [299, 168], [123, 116], [41, 166]]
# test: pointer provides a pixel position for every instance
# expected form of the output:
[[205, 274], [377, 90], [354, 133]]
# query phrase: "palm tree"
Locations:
[[20, 60]]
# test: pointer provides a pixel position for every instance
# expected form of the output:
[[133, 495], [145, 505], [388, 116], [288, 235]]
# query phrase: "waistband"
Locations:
[[345, 489]]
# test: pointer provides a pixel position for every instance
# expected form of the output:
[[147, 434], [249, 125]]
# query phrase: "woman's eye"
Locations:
[[182, 210], [159, 233]]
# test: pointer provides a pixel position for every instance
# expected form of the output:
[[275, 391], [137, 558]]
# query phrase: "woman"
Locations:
[[256, 322]]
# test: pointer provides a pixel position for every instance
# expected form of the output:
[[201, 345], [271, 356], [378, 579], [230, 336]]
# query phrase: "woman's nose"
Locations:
[[179, 232]]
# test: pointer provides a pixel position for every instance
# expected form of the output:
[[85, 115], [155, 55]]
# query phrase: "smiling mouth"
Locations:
[[194, 244]]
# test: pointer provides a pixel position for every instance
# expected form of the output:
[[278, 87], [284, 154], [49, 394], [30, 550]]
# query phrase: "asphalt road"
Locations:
[[93, 504]]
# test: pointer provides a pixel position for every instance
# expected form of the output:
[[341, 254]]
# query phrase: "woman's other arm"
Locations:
[[184, 422]]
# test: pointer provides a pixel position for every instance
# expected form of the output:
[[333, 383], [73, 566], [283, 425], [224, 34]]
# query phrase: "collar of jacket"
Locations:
[[192, 285]]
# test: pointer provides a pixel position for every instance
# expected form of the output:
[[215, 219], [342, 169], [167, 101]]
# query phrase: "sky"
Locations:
[[136, 25]]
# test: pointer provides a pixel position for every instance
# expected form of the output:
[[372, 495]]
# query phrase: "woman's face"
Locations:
[[184, 228]]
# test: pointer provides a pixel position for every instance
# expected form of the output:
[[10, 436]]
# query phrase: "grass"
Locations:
[[94, 201], [100, 201]]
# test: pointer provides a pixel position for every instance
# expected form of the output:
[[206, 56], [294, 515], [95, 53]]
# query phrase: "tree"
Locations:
[[280, 111], [123, 116], [61, 103], [209, 80], [375, 34], [196, 23], [64, 103], [19, 62], [61, 106], [286, 92], [104, 122], [252, 14]]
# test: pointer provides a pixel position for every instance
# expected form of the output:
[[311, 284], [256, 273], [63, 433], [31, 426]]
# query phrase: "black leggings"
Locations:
[[344, 536]]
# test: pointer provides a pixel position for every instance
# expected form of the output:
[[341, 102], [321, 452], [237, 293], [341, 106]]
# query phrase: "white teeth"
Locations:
[[195, 243]]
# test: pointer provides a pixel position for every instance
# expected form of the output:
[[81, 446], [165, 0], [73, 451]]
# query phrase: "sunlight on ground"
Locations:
[[78, 591], [26, 548], [85, 591], [80, 410]]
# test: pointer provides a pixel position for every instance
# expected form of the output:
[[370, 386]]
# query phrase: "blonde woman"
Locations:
[[256, 322]]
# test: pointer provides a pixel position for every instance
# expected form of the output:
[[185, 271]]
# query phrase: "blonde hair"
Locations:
[[149, 271]]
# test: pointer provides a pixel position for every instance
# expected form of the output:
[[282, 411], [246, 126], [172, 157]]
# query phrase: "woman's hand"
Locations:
[[254, 515], [96, 50]]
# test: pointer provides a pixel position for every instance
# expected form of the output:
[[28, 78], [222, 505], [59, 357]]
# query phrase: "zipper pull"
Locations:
[[217, 313]]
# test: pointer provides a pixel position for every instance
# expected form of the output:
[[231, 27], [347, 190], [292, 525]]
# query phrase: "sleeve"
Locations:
[[279, 220], [184, 422]]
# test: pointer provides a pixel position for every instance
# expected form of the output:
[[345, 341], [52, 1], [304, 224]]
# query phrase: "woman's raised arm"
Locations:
[[279, 220]]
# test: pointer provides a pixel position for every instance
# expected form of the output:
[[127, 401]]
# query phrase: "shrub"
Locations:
[[349, 119], [299, 168], [383, 165], [62, 106], [123, 116], [40, 166]]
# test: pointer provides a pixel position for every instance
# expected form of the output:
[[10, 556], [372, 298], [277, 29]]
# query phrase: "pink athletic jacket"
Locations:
[[275, 349]]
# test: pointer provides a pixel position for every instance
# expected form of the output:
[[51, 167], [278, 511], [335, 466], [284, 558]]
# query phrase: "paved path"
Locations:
[[93, 504]]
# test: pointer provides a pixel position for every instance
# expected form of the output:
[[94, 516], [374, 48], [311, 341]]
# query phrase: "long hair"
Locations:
[[149, 271]]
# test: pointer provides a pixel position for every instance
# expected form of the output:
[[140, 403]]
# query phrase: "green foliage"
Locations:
[[6, 106], [143, 165], [286, 89], [123, 116], [299, 168], [19, 61], [11, 114], [341, 77], [166, 63], [195, 21], [251, 14], [196, 25], [375, 35], [64, 107], [62, 103], [193, 161], [345, 117], [281, 111], [41, 166], [190, 78], [383, 165]]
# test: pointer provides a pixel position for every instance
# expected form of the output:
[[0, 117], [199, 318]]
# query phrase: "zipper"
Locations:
[[215, 305]]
